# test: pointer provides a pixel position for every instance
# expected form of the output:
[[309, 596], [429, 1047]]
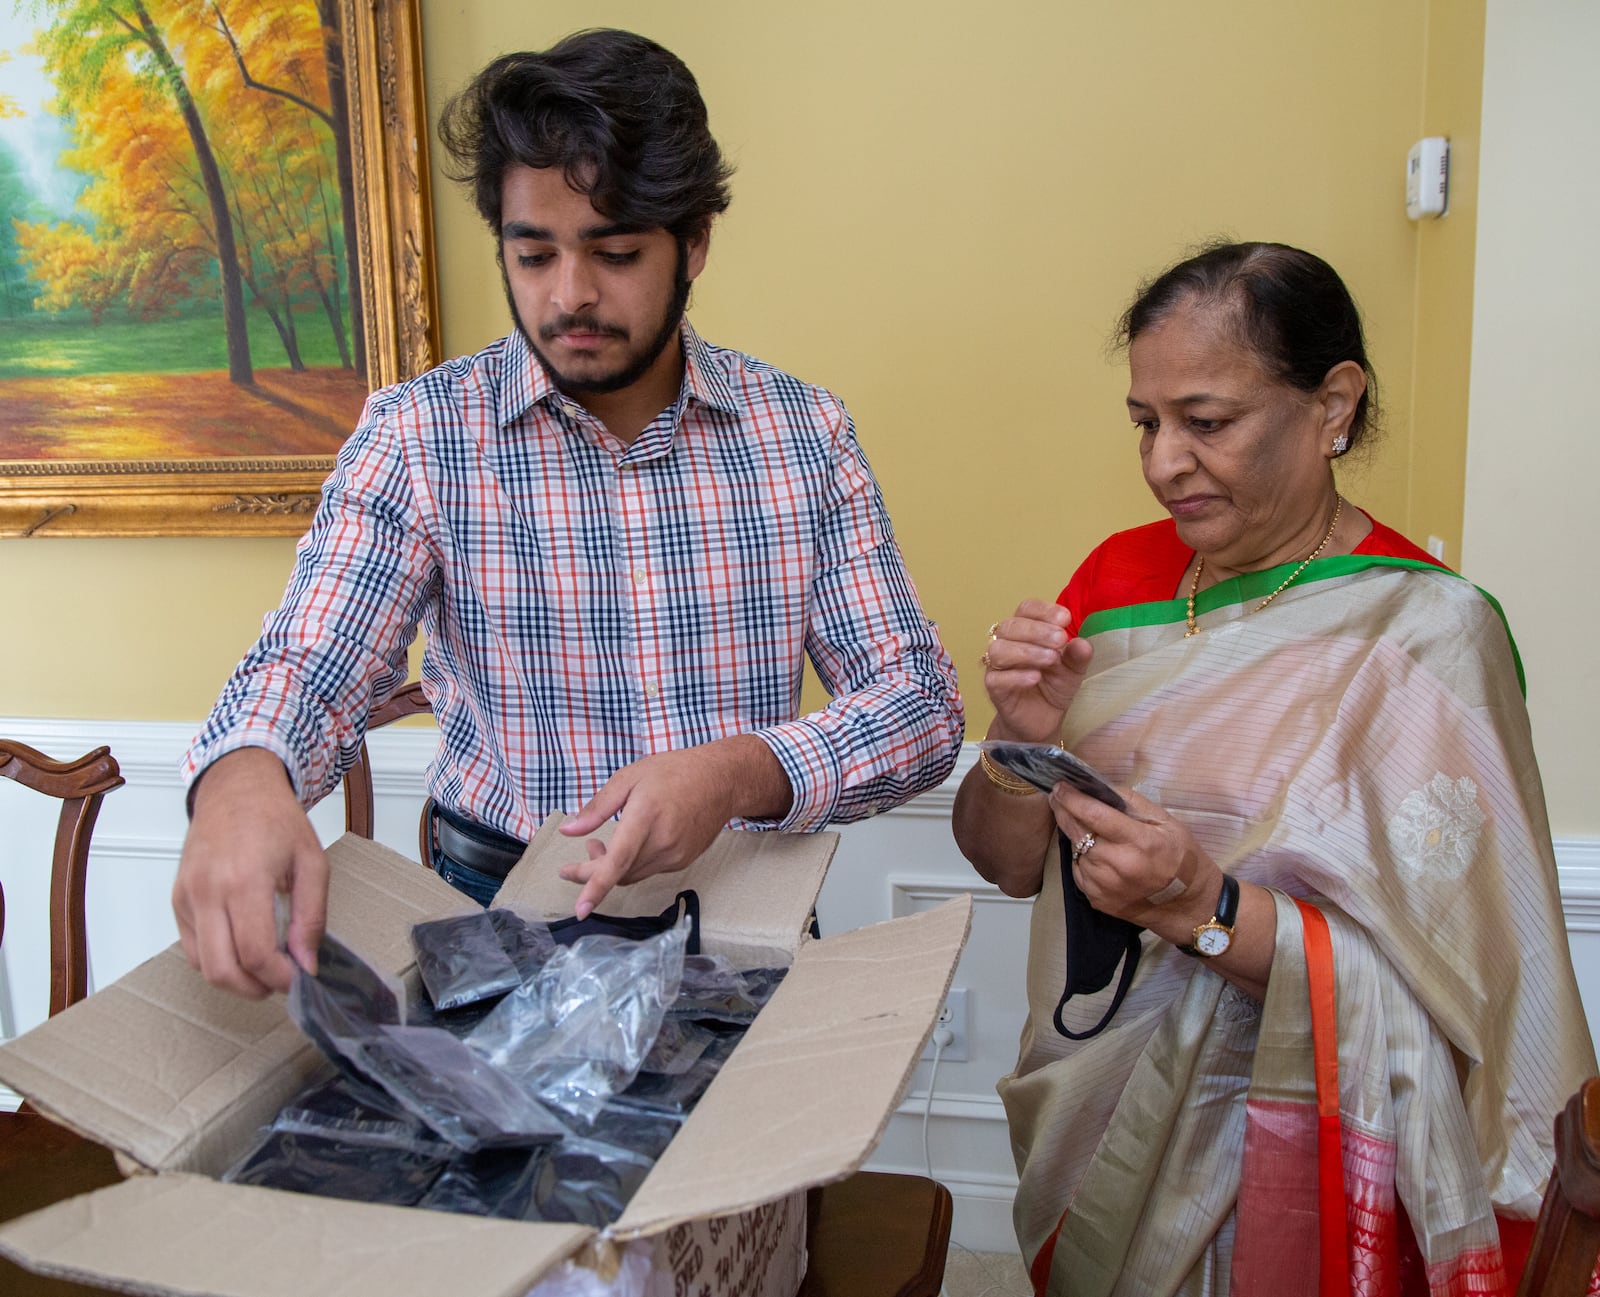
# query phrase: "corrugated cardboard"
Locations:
[[178, 1077]]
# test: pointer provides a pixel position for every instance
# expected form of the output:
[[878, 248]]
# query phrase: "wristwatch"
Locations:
[[1213, 937]]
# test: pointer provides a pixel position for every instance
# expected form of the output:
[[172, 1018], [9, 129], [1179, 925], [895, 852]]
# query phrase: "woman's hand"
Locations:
[[1144, 866], [1032, 671]]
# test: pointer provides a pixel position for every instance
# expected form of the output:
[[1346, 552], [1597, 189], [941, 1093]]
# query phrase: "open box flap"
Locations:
[[174, 1073], [132, 1070], [180, 1233], [376, 896], [859, 1006], [756, 889]]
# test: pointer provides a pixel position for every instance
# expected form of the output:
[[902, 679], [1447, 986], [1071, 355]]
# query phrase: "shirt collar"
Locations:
[[526, 382], [705, 380], [522, 382]]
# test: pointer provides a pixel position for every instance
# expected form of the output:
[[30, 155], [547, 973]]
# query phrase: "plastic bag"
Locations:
[[714, 991], [675, 1094], [458, 1022], [354, 1112], [636, 1276], [641, 1132], [578, 1031], [493, 1182], [587, 1182], [527, 945], [461, 960], [678, 1044], [320, 1164], [428, 1071], [579, 1181]]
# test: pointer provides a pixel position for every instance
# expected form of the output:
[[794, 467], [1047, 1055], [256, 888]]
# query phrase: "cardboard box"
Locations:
[[177, 1077]]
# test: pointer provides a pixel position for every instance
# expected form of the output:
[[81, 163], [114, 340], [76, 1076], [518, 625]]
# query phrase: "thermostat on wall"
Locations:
[[1428, 178]]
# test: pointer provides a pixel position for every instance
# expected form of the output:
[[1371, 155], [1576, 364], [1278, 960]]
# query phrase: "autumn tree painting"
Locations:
[[177, 230]]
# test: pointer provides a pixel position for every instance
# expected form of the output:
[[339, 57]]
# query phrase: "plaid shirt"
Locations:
[[587, 603]]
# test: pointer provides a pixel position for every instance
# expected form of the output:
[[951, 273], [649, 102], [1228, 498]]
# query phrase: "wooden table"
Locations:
[[871, 1235], [42, 1163]]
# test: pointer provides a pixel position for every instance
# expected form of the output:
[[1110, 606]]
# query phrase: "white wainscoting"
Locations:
[[893, 864]]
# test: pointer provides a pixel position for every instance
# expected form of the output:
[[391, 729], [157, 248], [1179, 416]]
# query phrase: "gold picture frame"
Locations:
[[275, 495]]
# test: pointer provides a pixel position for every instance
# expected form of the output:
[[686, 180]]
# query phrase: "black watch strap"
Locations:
[[1227, 912]]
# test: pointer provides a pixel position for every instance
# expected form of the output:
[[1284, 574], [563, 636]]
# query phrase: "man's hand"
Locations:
[[673, 805], [248, 842]]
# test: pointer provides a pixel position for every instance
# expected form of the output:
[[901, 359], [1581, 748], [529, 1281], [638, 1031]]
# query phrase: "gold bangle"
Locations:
[[1004, 780]]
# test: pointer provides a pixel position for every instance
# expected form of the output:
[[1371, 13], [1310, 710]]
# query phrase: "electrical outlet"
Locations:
[[953, 1017]]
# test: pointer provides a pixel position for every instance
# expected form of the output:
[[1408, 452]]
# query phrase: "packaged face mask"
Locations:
[[462, 960], [353, 1112], [426, 1070], [675, 1094], [336, 1168], [527, 945], [579, 1030], [714, 992]]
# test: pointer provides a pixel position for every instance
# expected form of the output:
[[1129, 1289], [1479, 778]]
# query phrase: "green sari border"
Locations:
[[1258, 585]]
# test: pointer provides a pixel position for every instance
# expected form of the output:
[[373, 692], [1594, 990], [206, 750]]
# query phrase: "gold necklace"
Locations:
[[1194, 586]]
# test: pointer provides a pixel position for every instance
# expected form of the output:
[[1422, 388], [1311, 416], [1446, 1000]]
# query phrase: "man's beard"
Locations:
[[632, 369]]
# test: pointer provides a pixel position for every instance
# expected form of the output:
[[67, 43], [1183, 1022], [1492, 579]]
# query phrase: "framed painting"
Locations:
[[215, 239]]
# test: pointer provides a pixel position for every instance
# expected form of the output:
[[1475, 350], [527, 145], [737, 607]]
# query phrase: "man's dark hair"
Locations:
[[621, 116], [1289, 307]]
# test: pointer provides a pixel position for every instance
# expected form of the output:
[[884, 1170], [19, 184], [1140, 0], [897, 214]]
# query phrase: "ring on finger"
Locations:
[[983, 660], [1082, 846], [994, 631]]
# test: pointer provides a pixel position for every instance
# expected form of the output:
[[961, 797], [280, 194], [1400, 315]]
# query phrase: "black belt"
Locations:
[[475, 846]]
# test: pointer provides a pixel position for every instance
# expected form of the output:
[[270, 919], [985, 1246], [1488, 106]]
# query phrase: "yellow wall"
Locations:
[[941, 209], [1437, 402]]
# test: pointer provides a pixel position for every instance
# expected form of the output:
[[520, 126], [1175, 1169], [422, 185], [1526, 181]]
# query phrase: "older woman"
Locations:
[[1352, 1013]]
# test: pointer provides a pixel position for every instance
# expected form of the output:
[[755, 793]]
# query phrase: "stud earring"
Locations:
[[1341, 443]]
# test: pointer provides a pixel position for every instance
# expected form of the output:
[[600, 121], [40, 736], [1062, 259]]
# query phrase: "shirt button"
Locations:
[[652, 689], [638, 576]]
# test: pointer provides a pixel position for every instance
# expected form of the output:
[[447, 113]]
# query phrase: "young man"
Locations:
[[619, 540]]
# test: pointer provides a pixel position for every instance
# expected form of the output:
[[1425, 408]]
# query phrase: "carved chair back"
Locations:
[[80, 784], [1566, 1240], [358, 805]]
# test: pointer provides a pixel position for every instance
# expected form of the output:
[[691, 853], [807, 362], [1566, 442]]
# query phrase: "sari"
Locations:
[[1360, 746]]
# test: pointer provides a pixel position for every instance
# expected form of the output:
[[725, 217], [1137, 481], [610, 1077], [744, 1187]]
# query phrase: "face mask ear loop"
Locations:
[[1089, 933]]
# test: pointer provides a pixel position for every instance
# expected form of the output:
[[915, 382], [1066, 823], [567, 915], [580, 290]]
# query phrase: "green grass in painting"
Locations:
[[67, 346]]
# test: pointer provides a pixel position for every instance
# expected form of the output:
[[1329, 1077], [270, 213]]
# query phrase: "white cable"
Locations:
[[942, 1036]]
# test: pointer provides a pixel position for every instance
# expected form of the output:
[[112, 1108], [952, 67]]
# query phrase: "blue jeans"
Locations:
[[480, 886]]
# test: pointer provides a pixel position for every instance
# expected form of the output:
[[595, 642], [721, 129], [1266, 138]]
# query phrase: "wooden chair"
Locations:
[[877, 1234], [358, 807], [31, 1146], [80, 785], [1566, 1240]]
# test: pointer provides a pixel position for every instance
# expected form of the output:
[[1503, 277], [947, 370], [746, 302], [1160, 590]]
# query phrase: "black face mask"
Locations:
[[1096, 944], [566, 931]]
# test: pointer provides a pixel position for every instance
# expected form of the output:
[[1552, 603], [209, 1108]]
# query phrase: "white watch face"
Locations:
[[1212, 942]]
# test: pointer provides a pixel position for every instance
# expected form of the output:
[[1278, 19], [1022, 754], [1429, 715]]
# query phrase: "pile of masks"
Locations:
[[533, 1072]]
